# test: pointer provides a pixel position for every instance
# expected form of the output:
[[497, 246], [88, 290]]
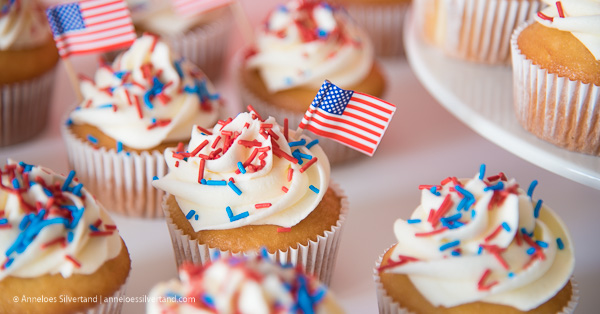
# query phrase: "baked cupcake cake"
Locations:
[[480, 245], [556, 75], [63, 253], [302, 44], [28, 59], [246, 184], [147, 100], [473, 30], [241, 285]]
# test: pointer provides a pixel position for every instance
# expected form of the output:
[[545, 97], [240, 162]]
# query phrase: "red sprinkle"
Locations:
[[284, 189], [199, 148], [203, 130], [281, 229], [251, 109], [480, 284], [214, 144], [138, 106], [559, 8], [110, 227], [493, 234], [262, 205], [308, 164], [286, 129], [249, 143], [100, 233], [290, 174], [201, 170], [73, 260], [545, 17], [425, 234]]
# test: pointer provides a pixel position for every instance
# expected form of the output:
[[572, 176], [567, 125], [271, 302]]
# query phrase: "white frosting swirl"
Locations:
[[49, 228], [173, 95], [267, 160], [23, 25], [241, 285], [581, 18], [304, 43], [478, 250]]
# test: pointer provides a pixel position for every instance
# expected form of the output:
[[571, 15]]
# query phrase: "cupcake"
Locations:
[[28, 59], [146, 101], [247, 184], [241, 285], [383, 20], [200, 38], [479, 245], [473, 30], [299, 46], [556, 75], [63, 253]]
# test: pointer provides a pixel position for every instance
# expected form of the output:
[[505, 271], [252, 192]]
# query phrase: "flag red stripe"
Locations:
[[363, 119], [342, 120], [342, 129], [83, 3], [74, 35], [65, 40], [386, 110], [71, 50], [107, 12], [104, 21], [341, 139], [363, 110]]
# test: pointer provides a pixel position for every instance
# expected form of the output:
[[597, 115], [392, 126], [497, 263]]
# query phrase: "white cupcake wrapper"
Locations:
[[478, 30], [388, 306], [317, 258], [555, 109], [384, 25], [24, 108], [113, 307]]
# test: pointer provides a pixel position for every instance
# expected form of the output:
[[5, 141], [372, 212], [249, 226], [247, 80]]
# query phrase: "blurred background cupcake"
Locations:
[[28, 58], [146, 101], [556, 75]]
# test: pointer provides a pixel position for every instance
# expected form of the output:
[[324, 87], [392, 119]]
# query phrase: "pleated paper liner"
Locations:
[[316, 258], [388, 306], [473, 30], [553, 108], [24, 108], [114, 305]]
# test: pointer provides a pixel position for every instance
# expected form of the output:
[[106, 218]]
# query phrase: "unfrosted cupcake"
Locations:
[[28, 58], [556, 75], [479, 245], [146, 101], [63, 253], [473, 30], [302, 44], [247, 184], [241, 285]]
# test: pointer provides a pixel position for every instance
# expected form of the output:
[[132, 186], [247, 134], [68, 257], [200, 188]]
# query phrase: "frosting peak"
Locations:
[[23, 25]]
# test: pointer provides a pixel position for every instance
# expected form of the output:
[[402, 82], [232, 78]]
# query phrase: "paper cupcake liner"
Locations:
[[316, 258], [122, 182], [474, 30], [553, 108], [383, 23], [24, 108], [388, 306], [113, 307]]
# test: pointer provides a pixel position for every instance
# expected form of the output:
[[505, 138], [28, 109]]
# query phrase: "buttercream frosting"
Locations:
[[483, 239], [245, 172], [306, 42], [50, 225], [147, 97], [23, 25], [579, 17], [241, 285]]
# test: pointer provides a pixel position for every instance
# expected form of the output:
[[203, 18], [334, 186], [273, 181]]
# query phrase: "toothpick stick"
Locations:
[[73, 78], [242, 21]]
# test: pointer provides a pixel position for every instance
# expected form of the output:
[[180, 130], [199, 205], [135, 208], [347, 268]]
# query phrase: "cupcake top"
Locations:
[[246, 171], [23, 25], [242, 285], [49, 224], [305, 42], [483, 239], [579, 17], [147, 97]]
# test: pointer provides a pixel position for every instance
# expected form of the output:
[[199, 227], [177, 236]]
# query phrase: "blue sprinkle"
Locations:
[[511, 274], [542, 244], [92, 139], [413, 221], [301, 142], [234, 188], [288, 81], [3, 221], [495, 187], [69, 122], [208, 300], [196, 217], [531, 250], [240, 166], [120, 74], [473, 214], [153, 120], [93, 228], [449, 245], [68, 180], [296, 154], [464, 192], [229, 211], [190, 214], [455, 253], [463, 204], [105, 106], [173, 295], [147, 101], [318, 295], [216, 182], [77, 189], [536, 210], [203, 181], [239, 216], [434, 191], [524, 231], [481, 171], [15, 183], [453, 217], [25, 221], [322, 33], [480, 250], [26, 167], [264, 253], [70, 236], [282, 8], [312, 143], [532, 186], [314, 189], [8, 262], [560, 243], [177, 64], [506, 226], [119, 147], [155, 178], [216, 254]]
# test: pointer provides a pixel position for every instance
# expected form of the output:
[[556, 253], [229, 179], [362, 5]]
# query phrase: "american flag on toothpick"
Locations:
[[90, 26], [188, 8], [354, 119]]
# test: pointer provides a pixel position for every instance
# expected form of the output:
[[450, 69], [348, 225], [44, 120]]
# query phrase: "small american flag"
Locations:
[[90, 26], [189, 8], [351, 118]]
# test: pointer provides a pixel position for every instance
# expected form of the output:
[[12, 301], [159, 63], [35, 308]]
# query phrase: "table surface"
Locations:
[[423, 145]]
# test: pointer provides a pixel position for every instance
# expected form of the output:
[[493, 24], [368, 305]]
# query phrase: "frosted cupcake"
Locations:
[[241, 285], [146, 101], [300, 46], [247, 184], [63, 253], [479, 245], [556, 75], [28, 59]]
